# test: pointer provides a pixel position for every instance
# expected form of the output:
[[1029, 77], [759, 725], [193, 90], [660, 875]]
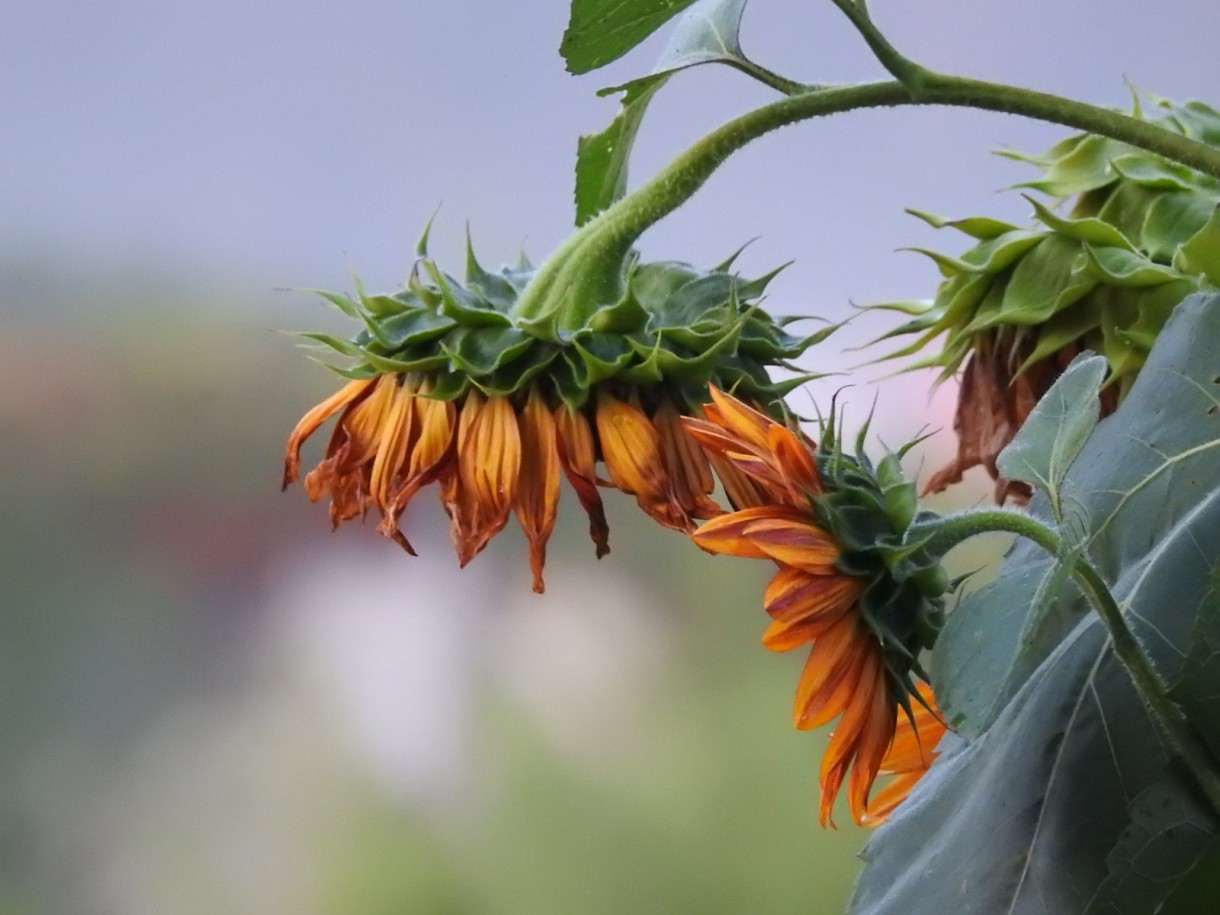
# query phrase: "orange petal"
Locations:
[[909, 757], [795, 542], [876, 735], [631, 449], [538, 487], [853, 731], [793, 592], [727, 533], [395, 440], [794, 460], [488, 466], [579, 460], [886, 801], [310, 422], [738, 418], [831, 673], [807, 614], [690, 475], [742, 491], [431, 455], [363, 424]]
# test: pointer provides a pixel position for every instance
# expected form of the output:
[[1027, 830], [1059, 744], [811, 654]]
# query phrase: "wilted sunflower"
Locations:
[[453, 384], [1015, 309], [846, 582]]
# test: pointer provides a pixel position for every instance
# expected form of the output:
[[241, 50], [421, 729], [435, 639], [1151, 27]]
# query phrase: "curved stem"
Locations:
[[900, 67], [586, 272], [769, 77], [1176, 728]]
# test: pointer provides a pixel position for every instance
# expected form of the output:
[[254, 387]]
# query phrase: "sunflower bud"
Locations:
[[1138, 238], [459, 384], [849, 582]]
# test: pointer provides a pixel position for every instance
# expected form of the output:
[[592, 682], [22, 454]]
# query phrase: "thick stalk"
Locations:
[[1175, 727]]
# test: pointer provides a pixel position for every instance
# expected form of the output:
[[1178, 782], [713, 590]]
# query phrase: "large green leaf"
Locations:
[[1133, 477], [706, 33], [1057, 794], [600, 31]]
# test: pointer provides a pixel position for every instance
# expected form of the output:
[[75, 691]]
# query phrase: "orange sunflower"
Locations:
[[492, 456], [825, 519]]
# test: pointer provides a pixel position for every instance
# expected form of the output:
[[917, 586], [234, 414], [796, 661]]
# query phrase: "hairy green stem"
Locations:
[[1175, 727], [586, 272], [769, 77]]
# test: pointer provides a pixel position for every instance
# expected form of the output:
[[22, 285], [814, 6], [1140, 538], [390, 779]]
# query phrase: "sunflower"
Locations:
[[492, 456], [830, 522], [457, 385], [1127, 237]]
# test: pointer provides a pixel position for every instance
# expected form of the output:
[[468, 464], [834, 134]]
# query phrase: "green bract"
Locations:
[[672, 325], [869, 509], [1141, 235]]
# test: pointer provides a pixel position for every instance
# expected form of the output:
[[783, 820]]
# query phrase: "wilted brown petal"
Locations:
[[578, 457], [348, 394]]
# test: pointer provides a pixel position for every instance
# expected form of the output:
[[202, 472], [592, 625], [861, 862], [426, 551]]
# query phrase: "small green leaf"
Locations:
[[1088, 229], [602, 158], [463, 306], [706, 33], [1051, 438], [1154, 172], [412, 327], [1053, 434], [1201, 254], [600, 31], [1124, 268], [482, 350], [406, 363], [603, 355], [980, 227]]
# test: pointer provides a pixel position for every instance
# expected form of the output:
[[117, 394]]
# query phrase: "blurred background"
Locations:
[[212, 704]]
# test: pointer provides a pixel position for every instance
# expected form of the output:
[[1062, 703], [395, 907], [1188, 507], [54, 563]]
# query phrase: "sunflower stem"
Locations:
[[587, 272], [1179, 733]]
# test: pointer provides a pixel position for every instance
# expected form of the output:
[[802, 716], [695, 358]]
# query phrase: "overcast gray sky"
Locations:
[[281, 143]]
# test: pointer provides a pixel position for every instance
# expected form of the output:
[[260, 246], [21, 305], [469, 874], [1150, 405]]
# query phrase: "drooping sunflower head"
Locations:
[[457, 384], [1138, 236], [850, 582]]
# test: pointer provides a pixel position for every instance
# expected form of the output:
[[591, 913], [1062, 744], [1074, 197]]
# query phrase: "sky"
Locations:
[[284, 144]]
